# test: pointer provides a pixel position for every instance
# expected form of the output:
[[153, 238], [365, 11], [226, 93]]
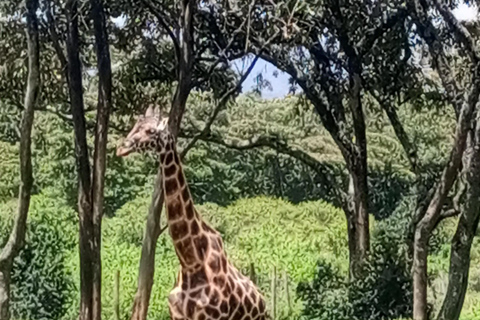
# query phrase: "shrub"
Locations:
[[385, 290], [41, 285]]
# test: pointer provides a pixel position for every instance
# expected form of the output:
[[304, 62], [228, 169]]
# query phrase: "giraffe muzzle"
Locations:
[[125, 149]]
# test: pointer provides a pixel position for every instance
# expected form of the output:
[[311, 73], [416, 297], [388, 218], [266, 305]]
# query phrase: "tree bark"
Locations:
[[354, 153], [101, 132], [146, 270], [465, 233], [152, 232], [358, 223], [464, 108], [359, 231], [432, 215], [86, 234], [17, 236]]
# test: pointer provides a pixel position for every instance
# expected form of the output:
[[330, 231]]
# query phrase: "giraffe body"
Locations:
[[208, 286]]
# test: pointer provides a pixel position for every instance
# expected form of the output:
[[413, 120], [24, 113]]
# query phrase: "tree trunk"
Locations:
[[432, 215], [358, 173], [358, 223], [185, 65], [101, 131], [147, 260], [464, 235], [17, 236], [5, 273], [86, 234], [152, 232], [464, 108], [420, 255], [460, 262]]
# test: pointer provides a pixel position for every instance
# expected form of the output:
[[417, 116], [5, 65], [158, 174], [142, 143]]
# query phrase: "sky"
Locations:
[[280, 83]]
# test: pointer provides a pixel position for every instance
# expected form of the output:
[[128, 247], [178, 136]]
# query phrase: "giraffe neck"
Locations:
[[185, 224]]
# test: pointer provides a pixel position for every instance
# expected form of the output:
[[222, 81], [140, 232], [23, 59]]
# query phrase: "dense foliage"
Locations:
[[305, 240]]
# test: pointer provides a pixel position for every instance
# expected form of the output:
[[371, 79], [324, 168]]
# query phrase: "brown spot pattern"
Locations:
[[194, 229], [214, 243], [201, 245], [171, 186], [224, 264], [186, 250], [224, 307], [214, 263], [198, 278], [190, 308], [215, 298], [174, 208], [189, 210], [178, 230], [219, 281], [240, 313], [170, 171], [212, 312], [168, 158], [207, 228], [185, 194], [181, 180], [248, 304], [254, 312]]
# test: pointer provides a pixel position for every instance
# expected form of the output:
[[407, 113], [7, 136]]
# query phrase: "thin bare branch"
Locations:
[[281, 147], [461, 33], [56, 39], [369, 39], [219, 107], [409, 148], [162, 20]]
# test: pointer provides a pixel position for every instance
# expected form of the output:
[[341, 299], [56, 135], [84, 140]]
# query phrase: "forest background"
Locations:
[[327, 196]]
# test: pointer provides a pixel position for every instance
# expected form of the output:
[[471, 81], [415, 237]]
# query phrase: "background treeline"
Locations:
[[356, 198]]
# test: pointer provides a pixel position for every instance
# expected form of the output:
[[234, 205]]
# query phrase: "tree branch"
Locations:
[[461, 33], [17, 236], [369, 39], [323, 110], [162, 20], [104, 106], [430, 35], [220, 106], [56, 40], [409, 148], [281, 147]]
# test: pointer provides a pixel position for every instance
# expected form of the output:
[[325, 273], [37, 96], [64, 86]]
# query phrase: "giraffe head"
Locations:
[[151, 132]]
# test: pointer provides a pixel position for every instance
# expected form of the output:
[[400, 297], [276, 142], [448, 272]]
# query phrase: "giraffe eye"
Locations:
[[151, 131]]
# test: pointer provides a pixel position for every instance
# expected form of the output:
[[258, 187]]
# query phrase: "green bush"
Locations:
[[384, 291], [41, 285], [264, 231]]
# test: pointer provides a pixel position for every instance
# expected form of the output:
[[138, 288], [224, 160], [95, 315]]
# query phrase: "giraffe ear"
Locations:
[[163, 124], [149, 112]]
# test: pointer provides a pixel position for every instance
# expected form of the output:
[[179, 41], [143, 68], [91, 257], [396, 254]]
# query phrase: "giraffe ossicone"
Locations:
[[208, 285]]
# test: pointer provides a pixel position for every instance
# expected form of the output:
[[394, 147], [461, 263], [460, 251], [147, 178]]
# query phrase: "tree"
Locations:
[[90, 188], [464, 106], [17, 236], [337, 53]]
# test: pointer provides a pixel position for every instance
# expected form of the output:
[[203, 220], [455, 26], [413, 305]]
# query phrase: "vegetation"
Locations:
[[356, 198], [300, 236]]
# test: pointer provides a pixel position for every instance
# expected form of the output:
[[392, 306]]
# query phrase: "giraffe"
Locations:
[[208, 286]]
